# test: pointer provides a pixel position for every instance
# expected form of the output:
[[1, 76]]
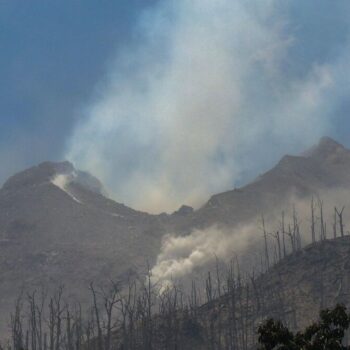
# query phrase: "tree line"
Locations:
[[223, 311]]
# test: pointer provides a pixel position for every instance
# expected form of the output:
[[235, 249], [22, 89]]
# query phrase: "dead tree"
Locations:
[[193, 302], [145, 304], [59, 312], [218, 277], [219, 290], [97, 317], [278, 254], [283, 230], [232, 302], [69, 330], [290, 234], [335, 224], [322, 223], [340, 217], [16, 325], [36, 318], [267, 259], [127, 309], [313, 224], [296, 230], [209, 288], [110, 299], [78, 326]]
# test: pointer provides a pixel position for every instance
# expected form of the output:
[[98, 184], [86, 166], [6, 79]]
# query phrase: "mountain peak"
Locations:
[[325, 147], [49, 172], [328, 142], [38, 174]]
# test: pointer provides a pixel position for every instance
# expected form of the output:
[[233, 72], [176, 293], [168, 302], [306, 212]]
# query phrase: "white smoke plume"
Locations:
[[182, 256], [62, 181], [200, 98]]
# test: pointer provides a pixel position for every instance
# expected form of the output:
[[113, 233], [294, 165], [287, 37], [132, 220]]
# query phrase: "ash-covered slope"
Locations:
[[56, 220], [56, 227], [293, 291], [324, 167]]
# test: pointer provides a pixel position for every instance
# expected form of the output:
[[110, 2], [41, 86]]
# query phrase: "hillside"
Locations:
[[293, 291], [54, 233], [57, 225]]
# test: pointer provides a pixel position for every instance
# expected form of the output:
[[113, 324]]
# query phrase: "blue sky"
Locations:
[[68, 67], [53, 53]]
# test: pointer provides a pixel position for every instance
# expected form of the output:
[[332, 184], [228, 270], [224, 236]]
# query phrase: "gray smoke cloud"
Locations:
[[182, 257], [201, 98]]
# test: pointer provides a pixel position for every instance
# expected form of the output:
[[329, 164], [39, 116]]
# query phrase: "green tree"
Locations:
[[328, 333]]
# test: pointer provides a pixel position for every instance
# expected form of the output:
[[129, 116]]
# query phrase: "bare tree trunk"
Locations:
[[59, 312], [97, 316], [16, 325], [69, 331], [279, 245], [283, 235], [52, 323], [313, 233], [209, 288], [218, 286], [265, 242], [292, 238], [340, 217], [335, 224], [296, 230], [323, 234], [110, 301]]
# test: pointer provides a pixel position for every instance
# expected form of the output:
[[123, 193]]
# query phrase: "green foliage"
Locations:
[[328, 333], [274, 335]]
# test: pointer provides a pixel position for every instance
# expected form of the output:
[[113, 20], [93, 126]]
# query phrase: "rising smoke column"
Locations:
[[202, 95]]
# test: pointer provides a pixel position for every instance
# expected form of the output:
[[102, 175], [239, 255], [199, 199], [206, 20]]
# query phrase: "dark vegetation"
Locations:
[[226, 311], [328, 333]]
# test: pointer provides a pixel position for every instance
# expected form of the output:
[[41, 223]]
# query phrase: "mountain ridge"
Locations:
[[71, 233], [324, 166]]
